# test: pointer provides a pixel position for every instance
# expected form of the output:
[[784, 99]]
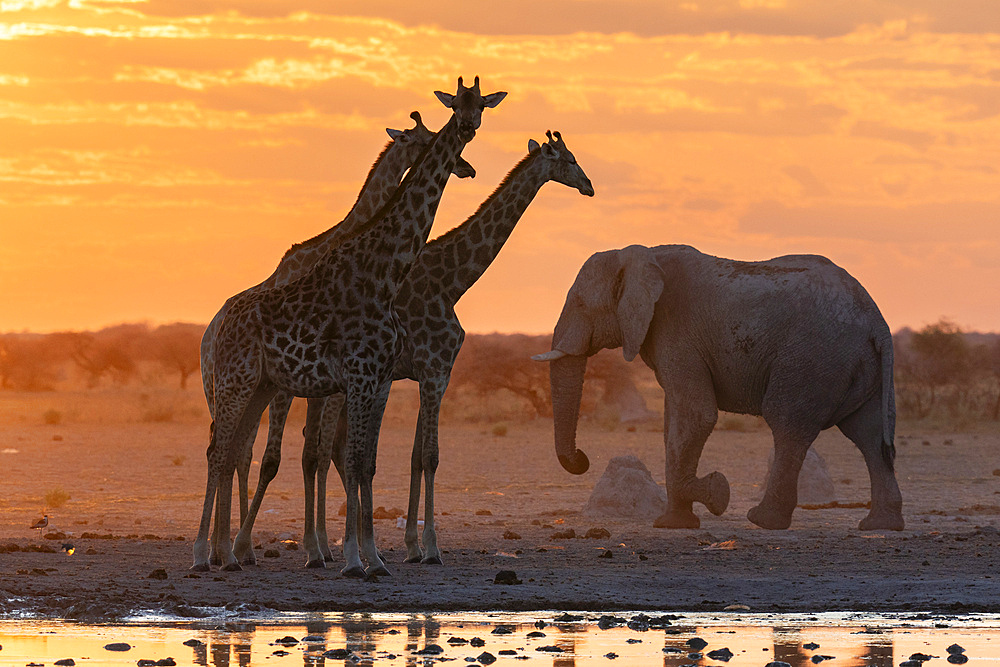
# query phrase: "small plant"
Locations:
[[500, 430], [56, 497], [158, 414], [178, 460], [52, 417]]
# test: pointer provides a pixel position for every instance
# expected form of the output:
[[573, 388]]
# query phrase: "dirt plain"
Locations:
[[133, 466]]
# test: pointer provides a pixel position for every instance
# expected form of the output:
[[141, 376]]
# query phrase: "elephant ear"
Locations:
[[639, 285]]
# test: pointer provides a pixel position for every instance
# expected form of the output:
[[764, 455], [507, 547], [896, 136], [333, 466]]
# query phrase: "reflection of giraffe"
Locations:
[[332, 331], [446, 268], [403, 149]]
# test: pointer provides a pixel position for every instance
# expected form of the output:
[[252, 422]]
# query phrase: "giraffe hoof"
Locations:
[[200, 567], [432, 560], [232, 567], [355, 572], [315, 563], [414, 559], [328, 558], [376, 571]]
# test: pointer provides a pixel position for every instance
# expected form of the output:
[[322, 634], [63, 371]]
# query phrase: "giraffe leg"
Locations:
[[413, 552], [201, 543], [339, 444], [310, 463], [277, 413], [328, 435], [431, 393], [368, 547], [359, 409]]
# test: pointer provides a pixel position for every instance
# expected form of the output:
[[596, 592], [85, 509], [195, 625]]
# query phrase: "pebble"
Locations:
[[287, 641], [280, 653], [477, 642], [194, 642], [694, 656], [158, 573], [671, 649], [696, 643], [816, 659], [910, 663], [117, 646], [506, 577], [272, 553], [611, 656], [486, 658], [606, 554], [536, 634], [457, 641], [507, 651], [598, 534], [811, 646], [66, 662], [550, 649], [955, 648], [922, 657], [511, 535], [313, 639], [632, 640]]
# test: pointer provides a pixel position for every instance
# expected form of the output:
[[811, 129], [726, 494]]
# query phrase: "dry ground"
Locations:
[[133, 466]]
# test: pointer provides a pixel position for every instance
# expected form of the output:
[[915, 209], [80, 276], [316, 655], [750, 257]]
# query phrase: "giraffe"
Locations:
[[446, 268], [332, 330], [398, 155]]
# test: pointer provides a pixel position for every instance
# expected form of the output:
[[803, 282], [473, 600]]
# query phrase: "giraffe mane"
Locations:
[[506, 179], [322, 236]]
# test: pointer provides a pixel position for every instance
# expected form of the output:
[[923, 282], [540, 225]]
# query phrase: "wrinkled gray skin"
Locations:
[[794, 339]]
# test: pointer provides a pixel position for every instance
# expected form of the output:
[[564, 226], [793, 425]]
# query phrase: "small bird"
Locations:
[[68, 548], [41, 523]]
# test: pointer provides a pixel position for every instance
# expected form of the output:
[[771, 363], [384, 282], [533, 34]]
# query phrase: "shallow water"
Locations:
[[849, 640]]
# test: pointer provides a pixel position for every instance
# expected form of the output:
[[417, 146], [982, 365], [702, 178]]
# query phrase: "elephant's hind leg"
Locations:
[[781, 495], [864, 428]]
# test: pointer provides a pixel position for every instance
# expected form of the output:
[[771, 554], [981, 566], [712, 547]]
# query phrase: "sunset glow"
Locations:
[[159, 156]]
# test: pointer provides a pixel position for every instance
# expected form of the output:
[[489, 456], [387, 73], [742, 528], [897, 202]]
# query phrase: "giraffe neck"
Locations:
[[382, 180], [454, 261], [396, 234]]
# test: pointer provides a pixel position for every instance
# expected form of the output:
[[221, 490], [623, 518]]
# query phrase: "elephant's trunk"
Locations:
[[566, 378]]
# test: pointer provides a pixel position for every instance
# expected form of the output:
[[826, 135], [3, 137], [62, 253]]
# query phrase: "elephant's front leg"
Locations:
[[687, 427]]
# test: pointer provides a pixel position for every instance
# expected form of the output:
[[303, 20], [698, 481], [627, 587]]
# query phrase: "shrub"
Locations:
[[56, 497]]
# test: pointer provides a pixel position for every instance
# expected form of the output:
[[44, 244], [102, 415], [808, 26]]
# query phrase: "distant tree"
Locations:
[[939, 357], [98, 356], [993, 366], [178, 348], [498, 361], [26, 363]]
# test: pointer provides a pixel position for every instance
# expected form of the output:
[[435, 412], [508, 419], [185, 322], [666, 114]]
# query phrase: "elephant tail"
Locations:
[[883, 345]]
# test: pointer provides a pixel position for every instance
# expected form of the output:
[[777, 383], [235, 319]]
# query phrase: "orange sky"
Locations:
[[157, 157]]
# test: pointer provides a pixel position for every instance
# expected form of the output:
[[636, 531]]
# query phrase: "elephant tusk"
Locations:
[[551, 355]]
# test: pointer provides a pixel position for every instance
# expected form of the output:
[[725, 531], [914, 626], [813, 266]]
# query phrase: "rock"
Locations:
[[337, 654], [566, 617], [921, 657], [611, 656], [696, 643], [550, 649], [694, 656], [430, 649], [457, 641], [816, 659], [287, 641], [194, 642], [477, 642], [503, 630], [568, 534], [510, 535], [535, 633], [507, 651], [145, 662], [815, 485], [486, 658], [736, 607], [626, 489], [606, 554], [117, 646], [484, 513], [605, 622], [539, 624], [811, 646], [166, 662], [506, 577], [158, 573], [598, 534], [639, 622], [955, 648], [723, 654], [777, 663], [66, 662], [291, 545], [910, 663], [280, 653], [958, 658], [272, 553]]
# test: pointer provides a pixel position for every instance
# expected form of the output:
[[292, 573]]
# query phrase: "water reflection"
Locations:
[[419, 639]]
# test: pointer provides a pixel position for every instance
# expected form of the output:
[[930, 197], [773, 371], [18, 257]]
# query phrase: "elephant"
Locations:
[[794, 339]]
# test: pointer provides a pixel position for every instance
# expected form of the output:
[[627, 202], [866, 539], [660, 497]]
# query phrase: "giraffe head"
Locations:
[[409, 144], [561, 164], [468, 105]]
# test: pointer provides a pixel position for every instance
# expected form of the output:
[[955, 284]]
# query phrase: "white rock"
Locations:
[[626, 489]]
